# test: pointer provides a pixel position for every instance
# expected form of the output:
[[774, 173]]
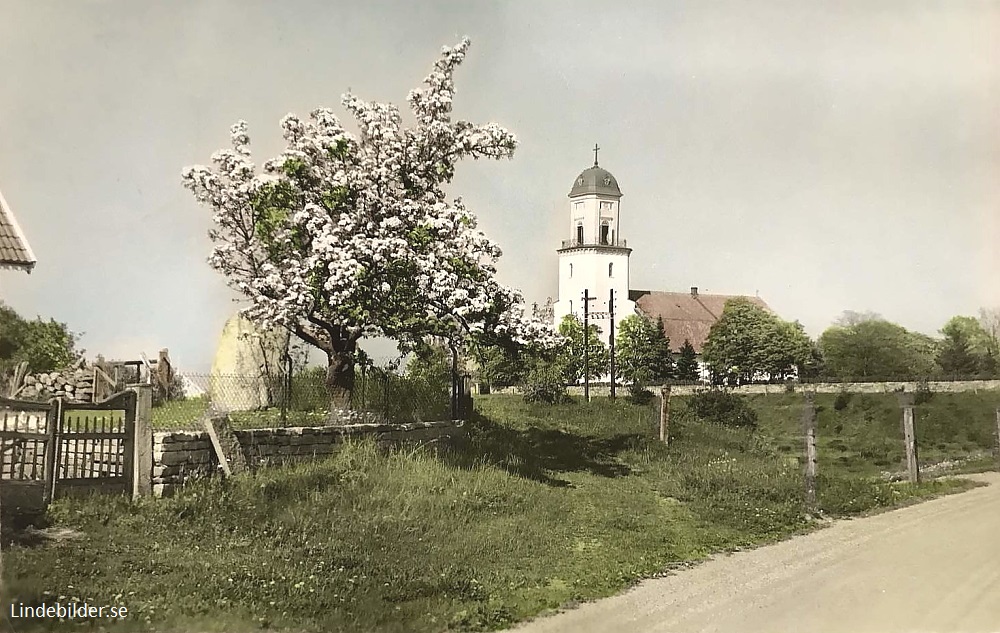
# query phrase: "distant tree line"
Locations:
[[750, 344]]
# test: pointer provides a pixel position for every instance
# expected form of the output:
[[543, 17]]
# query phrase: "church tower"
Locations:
[[594, 257]]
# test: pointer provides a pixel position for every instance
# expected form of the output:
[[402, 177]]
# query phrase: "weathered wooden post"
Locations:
[[998, 437], [910, 439], [812, 457], [665, 414], [142, 446]]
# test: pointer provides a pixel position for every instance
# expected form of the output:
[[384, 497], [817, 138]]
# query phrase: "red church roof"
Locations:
[[686, 315]]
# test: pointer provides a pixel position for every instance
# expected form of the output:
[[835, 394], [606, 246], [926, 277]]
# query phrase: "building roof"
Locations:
[[15, 252], [686, 315], [595, 180]]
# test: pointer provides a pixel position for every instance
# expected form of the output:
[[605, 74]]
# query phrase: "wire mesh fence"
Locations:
[[303, 399]]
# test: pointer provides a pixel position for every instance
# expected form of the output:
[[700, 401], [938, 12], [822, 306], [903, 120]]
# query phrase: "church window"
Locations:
[[571, 271], [571, 306], [611, 269], [579, 234], [605, 232]]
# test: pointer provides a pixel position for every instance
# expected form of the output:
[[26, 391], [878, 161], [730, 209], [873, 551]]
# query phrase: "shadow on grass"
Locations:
[[540, 454]]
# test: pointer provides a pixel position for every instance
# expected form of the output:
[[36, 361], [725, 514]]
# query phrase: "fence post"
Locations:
[[998, 436], [142, 456], [812, 457], [466, 395], [665, 414], [910, 439]]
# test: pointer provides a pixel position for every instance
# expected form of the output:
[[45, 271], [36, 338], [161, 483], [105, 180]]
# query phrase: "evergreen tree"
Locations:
[[687, 363], [662, 365], [956, 357], [642, 352]]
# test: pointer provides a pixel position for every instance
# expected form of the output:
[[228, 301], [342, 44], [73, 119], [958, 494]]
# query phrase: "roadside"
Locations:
[[927, 567]]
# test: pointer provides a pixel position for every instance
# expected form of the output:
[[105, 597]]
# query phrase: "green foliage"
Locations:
[[842, 400], [174, 391], [748, 343], [877, 350], [570, 356], [923, 393], [545, 384], [502, 367], [642, 352], [44, 345], [687, 364], [432, 365], [722, 407], [967, 349], [544, 505]]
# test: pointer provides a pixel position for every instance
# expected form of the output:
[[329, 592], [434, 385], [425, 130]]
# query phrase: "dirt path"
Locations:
[[929, 567]]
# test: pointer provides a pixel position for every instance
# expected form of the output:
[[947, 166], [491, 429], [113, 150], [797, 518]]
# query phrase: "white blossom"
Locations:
[[345, 235]]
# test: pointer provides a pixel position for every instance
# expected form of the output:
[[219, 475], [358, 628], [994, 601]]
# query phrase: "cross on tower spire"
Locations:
[[595, 154]]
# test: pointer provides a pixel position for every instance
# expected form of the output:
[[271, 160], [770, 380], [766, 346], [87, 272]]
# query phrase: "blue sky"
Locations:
[[827, 158]]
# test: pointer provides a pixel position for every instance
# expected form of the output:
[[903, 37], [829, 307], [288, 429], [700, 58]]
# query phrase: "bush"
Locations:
[[842, 400], [637, 394], [545, 384], [922, 394], [174, 391], [722, 407]]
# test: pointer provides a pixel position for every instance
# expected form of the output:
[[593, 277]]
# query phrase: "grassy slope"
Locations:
[[865, 436], [544, 506]]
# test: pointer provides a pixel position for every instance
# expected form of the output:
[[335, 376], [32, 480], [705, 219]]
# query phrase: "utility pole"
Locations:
[[586, 343], [611, 339]]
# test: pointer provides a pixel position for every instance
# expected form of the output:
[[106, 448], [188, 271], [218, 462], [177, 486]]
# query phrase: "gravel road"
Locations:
[[931, 567]]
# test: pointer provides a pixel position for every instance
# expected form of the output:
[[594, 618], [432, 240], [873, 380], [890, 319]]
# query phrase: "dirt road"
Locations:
[[931, 567]]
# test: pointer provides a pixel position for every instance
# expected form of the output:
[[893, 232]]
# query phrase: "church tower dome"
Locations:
[[595, 180]]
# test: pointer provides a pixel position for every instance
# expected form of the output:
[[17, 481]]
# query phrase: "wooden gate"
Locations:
[[95, 447], [27, 454]]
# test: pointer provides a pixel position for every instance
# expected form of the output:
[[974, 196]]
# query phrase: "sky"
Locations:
[[828, 156]]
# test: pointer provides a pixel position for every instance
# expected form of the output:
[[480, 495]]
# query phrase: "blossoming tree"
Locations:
[[350, 235]]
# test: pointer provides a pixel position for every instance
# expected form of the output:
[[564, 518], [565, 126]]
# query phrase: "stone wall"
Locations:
[[179, 456], [75, 384], [822, 387]]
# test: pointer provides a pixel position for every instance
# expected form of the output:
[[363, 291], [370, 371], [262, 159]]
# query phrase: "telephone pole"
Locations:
[[586, 343], [611, 339]]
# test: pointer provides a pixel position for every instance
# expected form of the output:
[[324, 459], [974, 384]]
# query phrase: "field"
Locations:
[[861, 434], [542, 507]]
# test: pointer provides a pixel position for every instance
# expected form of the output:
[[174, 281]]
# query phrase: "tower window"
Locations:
[[605, 232], [571, 271], [579, 234], [611, 269], [571, 306]]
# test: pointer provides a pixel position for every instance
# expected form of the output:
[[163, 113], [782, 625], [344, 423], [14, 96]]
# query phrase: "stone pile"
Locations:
[[72, 384]]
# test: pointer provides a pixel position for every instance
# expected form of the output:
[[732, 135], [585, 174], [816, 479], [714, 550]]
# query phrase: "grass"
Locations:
[[541, 507], [186, 414], [862, 434], [396, 398]]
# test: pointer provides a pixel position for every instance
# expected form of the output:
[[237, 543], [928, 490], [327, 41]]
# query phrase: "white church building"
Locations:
[[594, 261]]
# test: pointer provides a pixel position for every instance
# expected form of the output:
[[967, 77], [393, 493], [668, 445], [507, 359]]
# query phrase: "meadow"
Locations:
[[541, 507]]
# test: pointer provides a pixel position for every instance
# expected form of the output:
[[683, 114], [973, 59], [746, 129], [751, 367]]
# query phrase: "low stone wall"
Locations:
[[854, 387], [179, 456], [820, 387]]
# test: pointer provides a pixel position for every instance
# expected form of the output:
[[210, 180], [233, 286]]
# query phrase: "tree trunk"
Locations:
[[340, 379]]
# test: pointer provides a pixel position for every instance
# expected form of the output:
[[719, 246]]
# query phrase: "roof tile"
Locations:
[[686, 315], [15, 252]]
